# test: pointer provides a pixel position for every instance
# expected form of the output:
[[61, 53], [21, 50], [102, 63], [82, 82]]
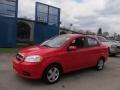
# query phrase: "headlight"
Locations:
[[34, 58]]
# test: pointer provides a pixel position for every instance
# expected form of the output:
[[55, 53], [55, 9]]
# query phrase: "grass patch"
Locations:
[[8, 50], [14, 50]]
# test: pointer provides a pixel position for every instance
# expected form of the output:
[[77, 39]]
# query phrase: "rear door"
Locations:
[[92, 52]]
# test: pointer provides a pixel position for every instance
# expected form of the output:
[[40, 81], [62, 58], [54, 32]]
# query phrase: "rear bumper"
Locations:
[[27, 70]]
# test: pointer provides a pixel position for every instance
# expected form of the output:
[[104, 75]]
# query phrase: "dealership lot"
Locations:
[[90, 79]]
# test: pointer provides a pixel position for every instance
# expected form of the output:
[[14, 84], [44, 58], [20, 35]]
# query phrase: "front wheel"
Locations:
[[100, 65], [52, 74]]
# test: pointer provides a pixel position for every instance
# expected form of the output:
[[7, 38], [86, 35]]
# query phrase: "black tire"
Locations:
[[100, 65], [46, 76], [113, 55]]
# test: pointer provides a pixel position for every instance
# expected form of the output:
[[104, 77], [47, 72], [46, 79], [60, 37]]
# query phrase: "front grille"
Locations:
[[26, 73], [19, 57]]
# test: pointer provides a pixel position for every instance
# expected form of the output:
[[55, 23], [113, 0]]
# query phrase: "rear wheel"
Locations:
[[113, 55], [52, 74], [100, 65]]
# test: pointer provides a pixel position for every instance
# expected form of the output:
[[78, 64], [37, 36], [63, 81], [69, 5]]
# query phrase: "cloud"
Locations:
[[83, 14], [26, 9], [110, 16], [112, 7]]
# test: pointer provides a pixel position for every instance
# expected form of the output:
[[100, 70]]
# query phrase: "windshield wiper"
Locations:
[[45, 45]]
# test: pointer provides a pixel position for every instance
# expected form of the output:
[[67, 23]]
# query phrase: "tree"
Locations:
[[62, 32], [99, 33], [88, 32]]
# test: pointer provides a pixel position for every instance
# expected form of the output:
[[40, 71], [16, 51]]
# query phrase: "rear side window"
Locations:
[[92, 42]]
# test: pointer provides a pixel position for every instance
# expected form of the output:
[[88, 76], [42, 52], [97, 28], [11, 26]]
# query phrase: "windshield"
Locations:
[[102, 39], [56, 41]]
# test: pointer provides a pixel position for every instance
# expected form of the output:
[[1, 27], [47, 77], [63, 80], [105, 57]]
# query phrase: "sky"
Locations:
[[83, 14]]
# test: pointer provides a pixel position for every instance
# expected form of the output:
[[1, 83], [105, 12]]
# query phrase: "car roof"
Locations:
[[80, 35]]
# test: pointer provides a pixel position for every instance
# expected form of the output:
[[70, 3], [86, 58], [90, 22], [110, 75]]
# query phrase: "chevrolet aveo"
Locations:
[[60, 55]]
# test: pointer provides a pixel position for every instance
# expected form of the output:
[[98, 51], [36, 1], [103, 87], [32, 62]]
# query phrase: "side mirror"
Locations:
[[72, 48]]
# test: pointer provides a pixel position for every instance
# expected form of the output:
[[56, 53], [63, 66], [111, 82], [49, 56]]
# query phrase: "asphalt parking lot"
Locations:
[[90, 79]]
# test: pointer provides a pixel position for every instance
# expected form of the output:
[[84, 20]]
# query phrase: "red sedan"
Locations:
[[59, 55]]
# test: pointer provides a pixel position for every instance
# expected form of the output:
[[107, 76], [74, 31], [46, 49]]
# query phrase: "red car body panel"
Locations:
[[70, 61]]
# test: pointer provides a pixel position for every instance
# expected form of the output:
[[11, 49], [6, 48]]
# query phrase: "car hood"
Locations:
[[36, 50]]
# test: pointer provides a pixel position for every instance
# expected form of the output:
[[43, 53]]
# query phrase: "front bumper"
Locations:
[[27, 70]]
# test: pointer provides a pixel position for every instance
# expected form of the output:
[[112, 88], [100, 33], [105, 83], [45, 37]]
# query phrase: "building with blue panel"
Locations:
[[8, 19], [47, 22], [15, 30]]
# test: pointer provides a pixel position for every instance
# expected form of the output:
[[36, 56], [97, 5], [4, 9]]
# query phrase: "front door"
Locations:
[[75, 59]]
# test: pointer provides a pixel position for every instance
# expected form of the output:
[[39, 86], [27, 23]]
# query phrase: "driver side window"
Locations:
[[79, 43]]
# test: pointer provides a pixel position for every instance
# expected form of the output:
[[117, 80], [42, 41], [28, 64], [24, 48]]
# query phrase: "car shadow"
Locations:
[[117, 56], [65, 77], [29, 81], [79, 73]]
